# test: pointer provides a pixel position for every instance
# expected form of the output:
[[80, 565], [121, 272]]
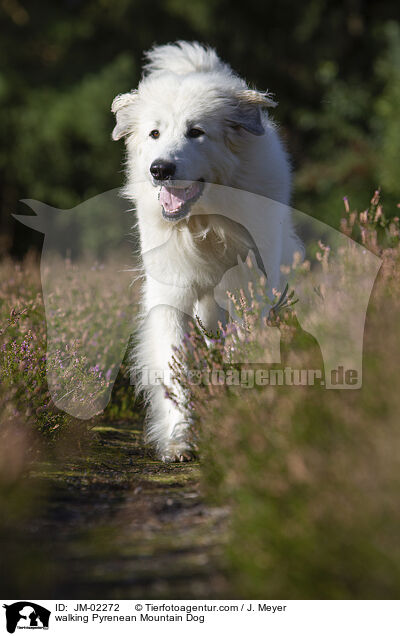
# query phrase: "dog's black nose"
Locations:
[[162, 170]]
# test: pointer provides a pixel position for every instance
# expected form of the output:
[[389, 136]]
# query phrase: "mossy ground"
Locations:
[[109, 521]]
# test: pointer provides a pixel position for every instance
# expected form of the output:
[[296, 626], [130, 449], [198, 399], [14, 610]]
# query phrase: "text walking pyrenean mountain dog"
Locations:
[[193, 122]]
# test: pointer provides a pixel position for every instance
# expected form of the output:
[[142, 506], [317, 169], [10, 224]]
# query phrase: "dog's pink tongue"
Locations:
[[173, 198]]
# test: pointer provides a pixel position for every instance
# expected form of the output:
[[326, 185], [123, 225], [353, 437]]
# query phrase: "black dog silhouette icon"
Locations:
[[26, 614]]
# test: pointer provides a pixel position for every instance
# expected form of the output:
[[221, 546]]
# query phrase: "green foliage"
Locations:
[[356, 132], [333, 68], [387, 108], [66, 136]]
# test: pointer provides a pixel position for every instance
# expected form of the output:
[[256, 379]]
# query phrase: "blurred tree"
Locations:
[[334, 69], [387, 109]]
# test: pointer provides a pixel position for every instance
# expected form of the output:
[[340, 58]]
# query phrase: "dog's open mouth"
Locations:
[[177, 201]]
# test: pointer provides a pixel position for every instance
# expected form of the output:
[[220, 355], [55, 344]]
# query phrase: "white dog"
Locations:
[[193, 122]]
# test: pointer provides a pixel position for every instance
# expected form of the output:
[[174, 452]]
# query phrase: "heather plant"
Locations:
[[41, 446], [90, 316], [27, 363], [371, 227], [23, 347], [311, 474], [267, 329], [208, 365]]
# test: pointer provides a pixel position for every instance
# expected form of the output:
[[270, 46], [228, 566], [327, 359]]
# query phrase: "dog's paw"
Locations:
[[177, 453]]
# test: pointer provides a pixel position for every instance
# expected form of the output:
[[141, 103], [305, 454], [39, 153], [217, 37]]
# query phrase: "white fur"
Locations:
[[187, 85]]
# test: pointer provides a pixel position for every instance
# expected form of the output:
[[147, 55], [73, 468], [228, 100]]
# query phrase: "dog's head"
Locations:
[[183, 131]]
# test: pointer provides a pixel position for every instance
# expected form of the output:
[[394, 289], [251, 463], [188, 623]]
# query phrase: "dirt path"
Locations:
[[114, 523]]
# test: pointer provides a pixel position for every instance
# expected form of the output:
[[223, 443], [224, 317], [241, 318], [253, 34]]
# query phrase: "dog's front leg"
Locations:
[[210, 313], [167, 426]]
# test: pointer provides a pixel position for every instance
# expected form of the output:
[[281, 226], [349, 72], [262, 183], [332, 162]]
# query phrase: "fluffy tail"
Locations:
[[183, 58]]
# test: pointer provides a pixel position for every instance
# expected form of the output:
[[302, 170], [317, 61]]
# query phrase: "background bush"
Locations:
[[334, 69]]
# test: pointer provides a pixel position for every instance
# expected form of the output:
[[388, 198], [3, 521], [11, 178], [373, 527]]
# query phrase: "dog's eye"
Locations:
[[195, 132], [155, 134]]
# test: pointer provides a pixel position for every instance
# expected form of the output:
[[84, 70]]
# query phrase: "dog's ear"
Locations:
[[247, 112], [121, 107]]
